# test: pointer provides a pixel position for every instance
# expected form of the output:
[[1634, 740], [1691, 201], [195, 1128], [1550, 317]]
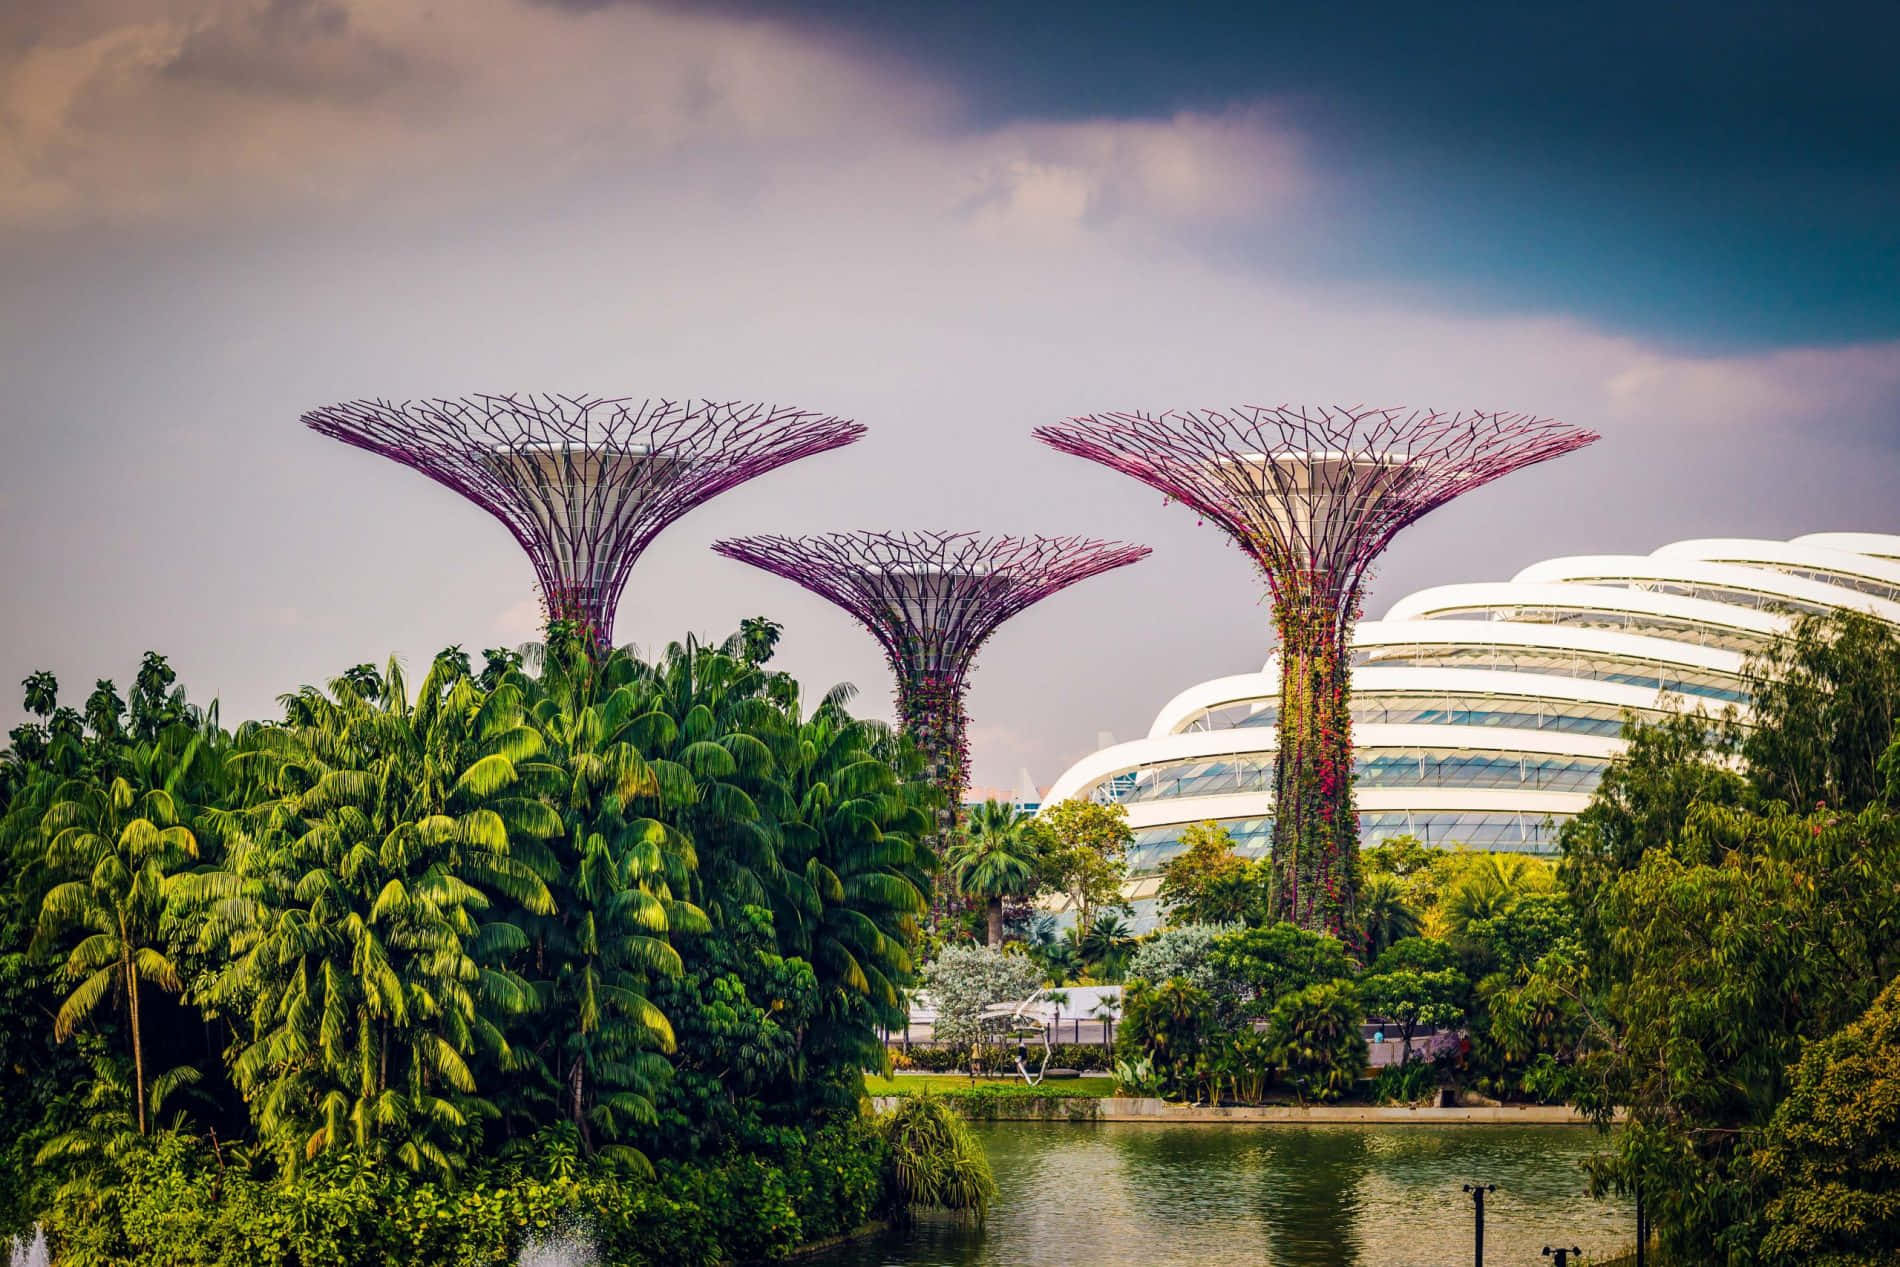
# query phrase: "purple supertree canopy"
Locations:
[[931, 598], [1314, 493], [584, 483]]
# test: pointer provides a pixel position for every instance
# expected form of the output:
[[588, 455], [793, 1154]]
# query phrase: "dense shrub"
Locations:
[[178, 1205], [1406, 1083], [935, 1163], [1316, 1034], [949, 1059], [1169, 1024]]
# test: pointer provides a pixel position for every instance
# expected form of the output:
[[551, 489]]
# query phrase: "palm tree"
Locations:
[[1385, 914], [1491, 886], [614, 872], [857, 875], [127, 839], [350, 911], [1106, 946], [996, 858]]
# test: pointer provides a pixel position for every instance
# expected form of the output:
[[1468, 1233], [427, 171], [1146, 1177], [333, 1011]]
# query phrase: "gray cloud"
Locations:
[[298, 48]]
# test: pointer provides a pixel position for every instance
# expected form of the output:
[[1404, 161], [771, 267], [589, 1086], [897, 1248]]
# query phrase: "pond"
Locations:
[[1148, 1195]]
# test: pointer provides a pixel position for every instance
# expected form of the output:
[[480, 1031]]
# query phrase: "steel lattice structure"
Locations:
[[932, 599], [1313, 495], [584, 483]]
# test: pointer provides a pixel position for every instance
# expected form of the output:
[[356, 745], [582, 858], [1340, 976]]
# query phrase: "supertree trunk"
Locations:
[[1314, 875], [931, 711]]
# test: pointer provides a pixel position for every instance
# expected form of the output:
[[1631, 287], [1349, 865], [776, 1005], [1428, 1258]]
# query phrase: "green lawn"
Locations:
[[945, 1083]]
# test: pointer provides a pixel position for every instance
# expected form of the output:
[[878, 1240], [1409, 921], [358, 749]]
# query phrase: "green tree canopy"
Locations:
[[998, 856], [1085, 856], [1823, 706], [1207, 884], [1830, 1159], [1263, 965]]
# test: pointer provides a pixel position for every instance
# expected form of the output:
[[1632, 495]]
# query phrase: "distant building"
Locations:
[[1485, 714]]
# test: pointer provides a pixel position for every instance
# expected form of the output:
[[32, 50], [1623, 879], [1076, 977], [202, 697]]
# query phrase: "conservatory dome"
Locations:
[[1484, 714]]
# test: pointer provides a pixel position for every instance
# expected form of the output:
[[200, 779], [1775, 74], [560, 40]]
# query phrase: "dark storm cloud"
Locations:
[[1722, 173]]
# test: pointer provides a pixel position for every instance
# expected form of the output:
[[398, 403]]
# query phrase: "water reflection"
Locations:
[[1151, 1195]]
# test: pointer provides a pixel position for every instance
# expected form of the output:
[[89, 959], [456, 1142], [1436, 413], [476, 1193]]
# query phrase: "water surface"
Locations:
[[1148, 1195]]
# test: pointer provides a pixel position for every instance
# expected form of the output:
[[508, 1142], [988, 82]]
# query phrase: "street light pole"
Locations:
[[1477, 1192], [1562, 1255]]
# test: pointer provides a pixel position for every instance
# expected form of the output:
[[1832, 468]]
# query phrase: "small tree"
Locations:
[[1410, 999], [1207, 884], [1263, 965], [1086, 857], [126, 845], [964, 980], [997, 857]]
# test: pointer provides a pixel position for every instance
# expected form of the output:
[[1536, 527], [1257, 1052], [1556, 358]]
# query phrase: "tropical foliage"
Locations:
[[998, 857], [1738, 894], [639, 923], [1206, 883]]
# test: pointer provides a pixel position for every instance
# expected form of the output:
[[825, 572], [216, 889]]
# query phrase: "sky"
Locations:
[[1676, 225]]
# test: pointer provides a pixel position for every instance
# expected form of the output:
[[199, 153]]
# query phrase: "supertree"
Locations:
[[583, 482], [1313, 495], [932, 599]]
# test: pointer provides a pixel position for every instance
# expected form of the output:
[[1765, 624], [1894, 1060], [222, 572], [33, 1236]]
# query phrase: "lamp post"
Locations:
[[1562, 1255], [1477, 1191]]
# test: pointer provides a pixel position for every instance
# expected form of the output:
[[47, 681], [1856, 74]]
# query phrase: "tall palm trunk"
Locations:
[[132, 1002], [577, 1082], [996, 921]]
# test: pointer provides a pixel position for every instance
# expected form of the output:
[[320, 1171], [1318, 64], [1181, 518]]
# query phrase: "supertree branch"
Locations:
[[1314, 495], [584, 483], [932, 599]]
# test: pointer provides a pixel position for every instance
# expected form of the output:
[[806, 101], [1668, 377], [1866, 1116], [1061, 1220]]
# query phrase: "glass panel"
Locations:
[[1385, 768], [1704, 683]]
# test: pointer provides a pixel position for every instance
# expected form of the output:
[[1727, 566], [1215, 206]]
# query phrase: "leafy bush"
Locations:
[[947, 1059], [1315, 1033], [1168, 1024], [1135, 1075], [1260, 966], [1406, 1083], [1238, 1065], [935, 1162]]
